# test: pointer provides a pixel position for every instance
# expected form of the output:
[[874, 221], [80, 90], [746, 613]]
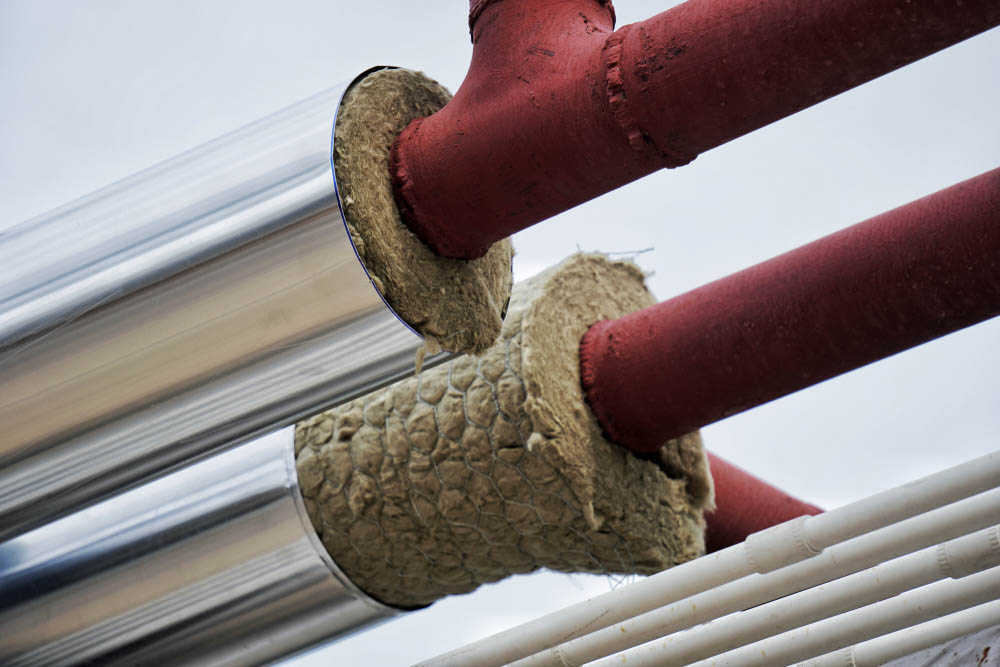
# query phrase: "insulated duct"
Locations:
[[209, 299], [213, 564]]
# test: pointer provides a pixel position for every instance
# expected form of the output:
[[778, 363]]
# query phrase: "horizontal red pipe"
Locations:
[[869, 291], [557, 109], [745, 504]]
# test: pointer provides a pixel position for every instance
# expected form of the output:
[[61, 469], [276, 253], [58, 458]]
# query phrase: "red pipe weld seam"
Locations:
[[557, 109], [869, 291]]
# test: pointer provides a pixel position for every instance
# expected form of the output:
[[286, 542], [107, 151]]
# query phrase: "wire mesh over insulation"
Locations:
[[493, 466]]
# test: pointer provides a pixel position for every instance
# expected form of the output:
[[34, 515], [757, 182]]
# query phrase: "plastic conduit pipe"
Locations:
[[916, 606], [901, 643], [839, 560], [869, 291], [558, 108]]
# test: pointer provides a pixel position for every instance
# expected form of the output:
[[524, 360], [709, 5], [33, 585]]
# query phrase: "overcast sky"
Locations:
[[91, 92]]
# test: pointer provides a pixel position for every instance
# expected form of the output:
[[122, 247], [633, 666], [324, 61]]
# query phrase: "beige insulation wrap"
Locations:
[[458, 304], [493, 466]]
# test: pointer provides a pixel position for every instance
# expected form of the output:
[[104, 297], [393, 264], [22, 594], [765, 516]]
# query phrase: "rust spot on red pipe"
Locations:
[[557, 109], [869, 291]]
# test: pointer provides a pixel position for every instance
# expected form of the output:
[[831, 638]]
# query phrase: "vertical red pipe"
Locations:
[[869, 291], [557, 109]]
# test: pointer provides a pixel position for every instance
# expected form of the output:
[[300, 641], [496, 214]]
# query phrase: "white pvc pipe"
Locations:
[[908, 500], [600, 611], [956, 558], [879, 651], [782, 544], [837, 561], [917, 606]]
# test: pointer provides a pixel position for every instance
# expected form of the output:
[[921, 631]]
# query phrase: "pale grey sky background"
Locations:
[[93, 91]]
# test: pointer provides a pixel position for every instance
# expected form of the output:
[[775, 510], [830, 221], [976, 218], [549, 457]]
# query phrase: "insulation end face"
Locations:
[[459, 304], [492, 466]]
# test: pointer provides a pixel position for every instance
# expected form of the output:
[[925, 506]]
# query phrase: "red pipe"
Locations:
[[869, 291], [557, 109], [746, 504]]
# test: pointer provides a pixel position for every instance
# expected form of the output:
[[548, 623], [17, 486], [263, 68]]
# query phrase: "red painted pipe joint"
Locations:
[[527, 132], [558, 108]]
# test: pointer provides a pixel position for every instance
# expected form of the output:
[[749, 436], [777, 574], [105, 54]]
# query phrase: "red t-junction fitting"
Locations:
[[557, 109], [869, 291]]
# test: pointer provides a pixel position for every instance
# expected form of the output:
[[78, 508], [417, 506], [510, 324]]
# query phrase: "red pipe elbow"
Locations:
[[869, 291], [557, 109]]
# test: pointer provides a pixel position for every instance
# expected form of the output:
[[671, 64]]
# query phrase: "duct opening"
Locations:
[[456, 303], [492, 466]]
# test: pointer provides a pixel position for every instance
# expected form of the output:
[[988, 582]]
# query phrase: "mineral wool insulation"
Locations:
[[494, 465], [457, 304]]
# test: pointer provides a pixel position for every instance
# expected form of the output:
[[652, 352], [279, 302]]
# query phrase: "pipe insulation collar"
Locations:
[[457, 304], [493, 466]]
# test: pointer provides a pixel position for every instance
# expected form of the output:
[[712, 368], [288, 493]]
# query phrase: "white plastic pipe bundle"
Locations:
[[957, 507], [751, 637], [879, 651]]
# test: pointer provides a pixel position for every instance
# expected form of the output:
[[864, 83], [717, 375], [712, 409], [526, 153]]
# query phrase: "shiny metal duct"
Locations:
[[209, 299], [213, 564]]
